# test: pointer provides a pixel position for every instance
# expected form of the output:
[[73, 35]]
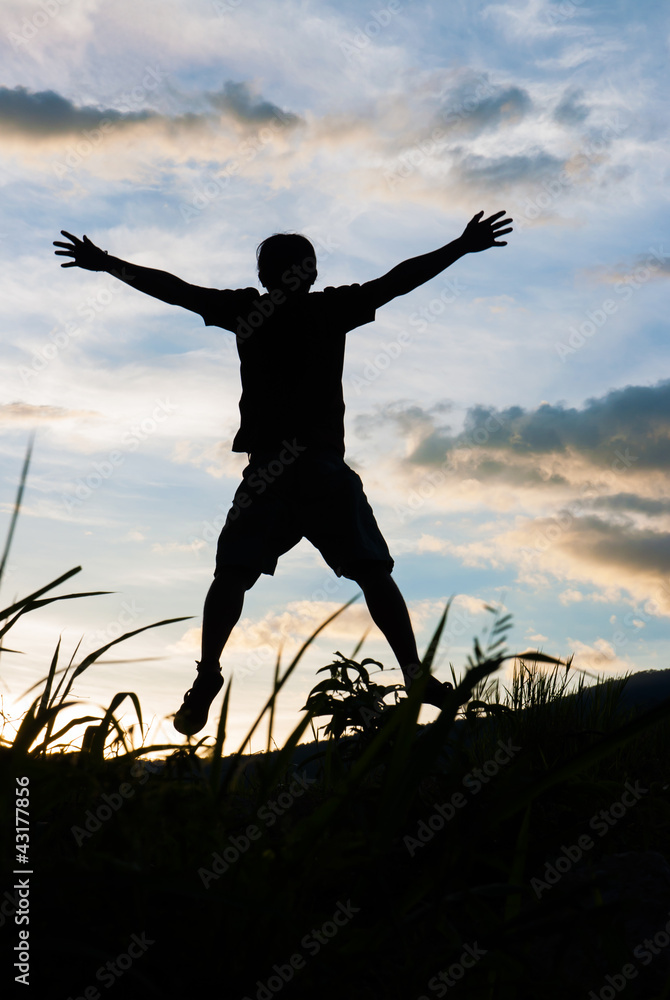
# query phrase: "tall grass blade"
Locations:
[[31, 724], [215, 773], [429, 655], [100, 738], [42, 590], [360, 643], [275, 681], [92, 657], [44, 702], [17, 506]]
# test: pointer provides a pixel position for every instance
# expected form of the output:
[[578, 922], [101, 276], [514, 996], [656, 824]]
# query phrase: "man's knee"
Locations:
[[237, 576], [367, 573]]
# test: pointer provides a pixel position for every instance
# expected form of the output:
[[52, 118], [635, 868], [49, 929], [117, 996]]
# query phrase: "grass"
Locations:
[[156, 880]]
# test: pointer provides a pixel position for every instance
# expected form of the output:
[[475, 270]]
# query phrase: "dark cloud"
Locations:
[[472, 109], [633, 422], [45, 113], [636, 418], [569, 111], [504, 172], [661, 266], [237, 100], [630, 549], [632, 502]]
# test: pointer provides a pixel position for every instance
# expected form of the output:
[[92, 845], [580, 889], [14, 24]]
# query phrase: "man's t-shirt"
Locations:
[[291, 349]]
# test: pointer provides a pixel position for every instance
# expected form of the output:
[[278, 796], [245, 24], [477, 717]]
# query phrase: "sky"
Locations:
[[510, 419]]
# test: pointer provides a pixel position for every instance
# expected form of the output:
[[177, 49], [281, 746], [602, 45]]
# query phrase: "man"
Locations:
[[291, 342]]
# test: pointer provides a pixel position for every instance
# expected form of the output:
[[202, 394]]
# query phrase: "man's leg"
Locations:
[[389, 612], [223, 607]]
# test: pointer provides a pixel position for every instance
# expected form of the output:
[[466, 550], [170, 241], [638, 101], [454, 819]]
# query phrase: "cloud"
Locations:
[[632, 502], [569, 111], [564, 465], [395, 129], [290, 628], [496, 174], [47, 131], [26, 414], [475, 105], [588, 548], [538, 18], [237, 99], [599, 657], [45, 114], [642, 268], [625, 429], [570, 597]]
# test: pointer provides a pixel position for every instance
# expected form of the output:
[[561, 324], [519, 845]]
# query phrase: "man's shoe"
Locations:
[[192, 716], [436, 692]]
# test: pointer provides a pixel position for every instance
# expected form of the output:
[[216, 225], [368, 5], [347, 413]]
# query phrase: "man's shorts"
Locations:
[[289, 494]]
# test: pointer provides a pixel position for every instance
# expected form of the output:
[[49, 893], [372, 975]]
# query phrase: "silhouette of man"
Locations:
[[291, 343]]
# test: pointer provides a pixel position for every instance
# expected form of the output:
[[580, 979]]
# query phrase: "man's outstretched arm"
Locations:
[[160, 284], [479, 234]]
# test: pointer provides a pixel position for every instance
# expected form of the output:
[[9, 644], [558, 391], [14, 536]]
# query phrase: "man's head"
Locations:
[[286, 261]]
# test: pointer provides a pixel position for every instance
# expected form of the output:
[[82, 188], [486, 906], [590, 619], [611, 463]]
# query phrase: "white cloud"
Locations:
[[570, 597]]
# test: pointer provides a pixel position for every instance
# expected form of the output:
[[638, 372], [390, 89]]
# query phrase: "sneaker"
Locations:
[[192, 716], [436, 692]]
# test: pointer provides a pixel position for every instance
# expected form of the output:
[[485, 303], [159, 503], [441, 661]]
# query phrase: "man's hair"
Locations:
[[280, 253]]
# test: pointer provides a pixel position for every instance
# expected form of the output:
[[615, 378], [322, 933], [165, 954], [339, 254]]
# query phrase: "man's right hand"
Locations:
[[85, 253]]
